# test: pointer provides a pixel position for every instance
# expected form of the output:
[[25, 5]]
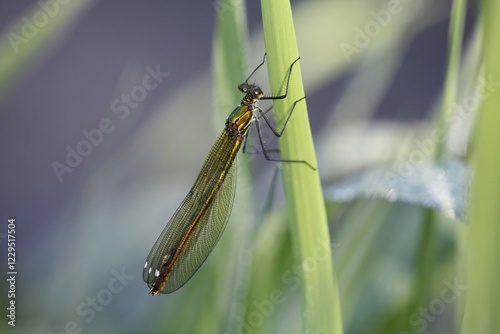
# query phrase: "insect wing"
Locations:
[[202, 240]]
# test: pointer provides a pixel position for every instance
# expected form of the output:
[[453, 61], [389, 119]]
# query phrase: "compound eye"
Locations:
[[242, 88], [257, 91]]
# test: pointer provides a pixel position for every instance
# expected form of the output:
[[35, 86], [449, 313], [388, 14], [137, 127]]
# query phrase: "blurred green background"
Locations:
[[397, 206]]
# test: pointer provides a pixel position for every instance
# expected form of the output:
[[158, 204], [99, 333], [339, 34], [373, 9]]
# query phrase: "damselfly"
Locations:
[[196, 226]]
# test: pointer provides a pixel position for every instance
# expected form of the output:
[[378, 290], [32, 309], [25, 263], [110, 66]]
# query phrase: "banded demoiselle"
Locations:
[[195, 228]]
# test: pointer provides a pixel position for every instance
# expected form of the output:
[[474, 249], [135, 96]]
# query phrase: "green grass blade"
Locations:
[[229, 56], [425, 270], [229, 65], [455, 37], [302, 184], [483, 291]]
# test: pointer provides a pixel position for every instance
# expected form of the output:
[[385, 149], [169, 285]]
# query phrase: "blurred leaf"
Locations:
[[483, 267], [306, 208], [32, 35]]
